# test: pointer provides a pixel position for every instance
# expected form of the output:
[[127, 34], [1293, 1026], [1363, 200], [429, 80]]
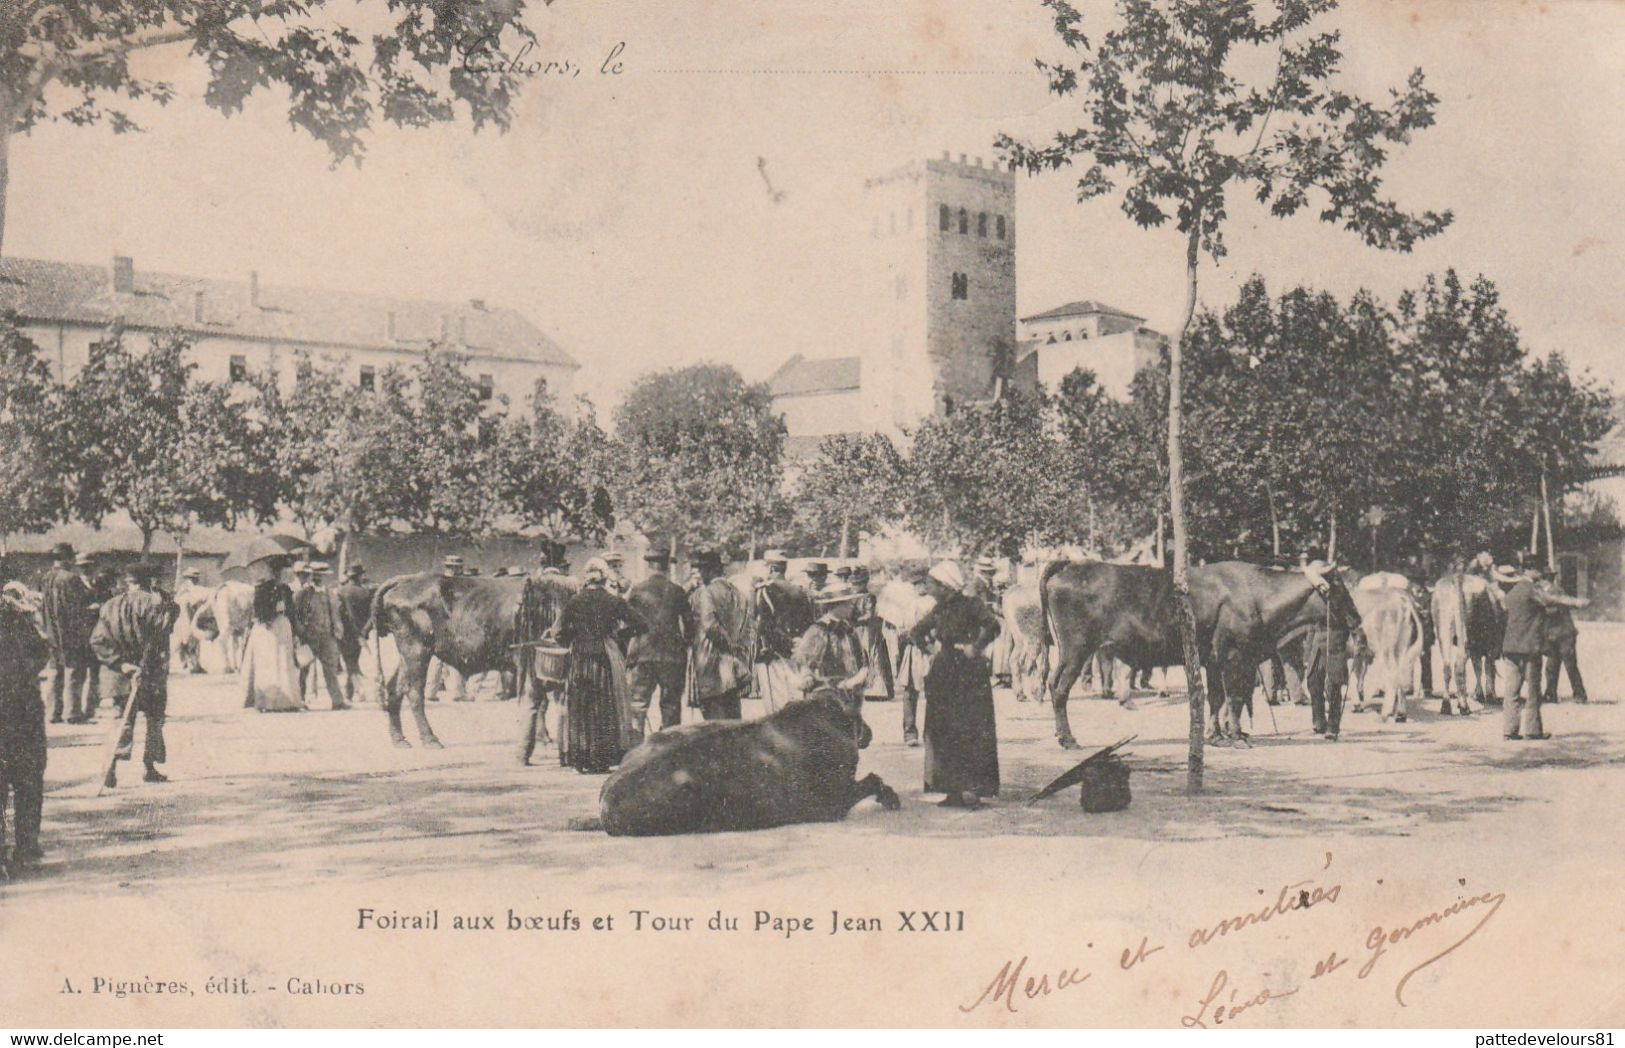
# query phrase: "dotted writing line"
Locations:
[[850, 72]]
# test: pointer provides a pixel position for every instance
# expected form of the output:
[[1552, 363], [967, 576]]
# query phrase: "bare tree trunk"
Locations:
[[5, 166], [146, 542], [344, 552], [1331, 541], [1546, 511], [1275, 523], [846, 534], [1176, 512]]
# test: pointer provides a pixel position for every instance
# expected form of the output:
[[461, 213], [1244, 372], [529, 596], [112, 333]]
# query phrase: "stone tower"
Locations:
[[943, 288]]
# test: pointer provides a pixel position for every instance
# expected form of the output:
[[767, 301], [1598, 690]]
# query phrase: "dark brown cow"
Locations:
[[1243, 611], [465, 621], [797, 765]]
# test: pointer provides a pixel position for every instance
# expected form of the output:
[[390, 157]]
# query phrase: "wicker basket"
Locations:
[[1105, 786], [552, 664]]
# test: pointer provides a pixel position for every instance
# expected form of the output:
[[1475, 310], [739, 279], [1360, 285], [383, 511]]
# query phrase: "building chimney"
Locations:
[[197, 307], [254, 288], [477, 304], [962, 159], [978, 161], [123, 274], [389, 325]]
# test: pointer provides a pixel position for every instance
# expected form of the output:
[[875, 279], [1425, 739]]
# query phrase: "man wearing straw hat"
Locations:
[[830, 654], [131, 639], [66, 607], [658, 658]]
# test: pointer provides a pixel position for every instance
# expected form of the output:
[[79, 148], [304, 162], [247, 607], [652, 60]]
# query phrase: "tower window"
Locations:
[[368, 380], [238, 369], [487, 387], [998, 225], [981, 224], [944, 218], [1066, 336], [964, 221], [959, 286]]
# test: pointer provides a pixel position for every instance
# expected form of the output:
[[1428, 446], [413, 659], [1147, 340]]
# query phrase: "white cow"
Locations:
[[1392, 625], [233, 607]]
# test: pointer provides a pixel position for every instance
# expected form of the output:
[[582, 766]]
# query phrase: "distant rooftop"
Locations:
[[73, 293], [800, 375], [1082, 309]]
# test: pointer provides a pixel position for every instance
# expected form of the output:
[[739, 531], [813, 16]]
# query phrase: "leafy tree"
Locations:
[[31, 480], [344, 68], [1172, 110], [450, 459], [551, 470], [855, 483], [338, 449], [702, 452], [148, 440], [984, 478], [1109, 452]]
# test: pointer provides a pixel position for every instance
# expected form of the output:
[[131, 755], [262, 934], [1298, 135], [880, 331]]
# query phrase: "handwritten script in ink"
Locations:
[[1415, 941]]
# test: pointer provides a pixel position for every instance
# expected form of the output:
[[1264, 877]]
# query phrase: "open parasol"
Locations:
[[1076, 774], [263, 548]]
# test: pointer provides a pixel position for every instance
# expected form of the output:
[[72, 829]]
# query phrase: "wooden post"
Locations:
[[1331, 541], [1275, 523], [1534, 532]]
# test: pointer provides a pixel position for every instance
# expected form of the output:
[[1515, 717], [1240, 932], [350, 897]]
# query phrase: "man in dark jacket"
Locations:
[[66, 607], [659, 657], [1525, 639], [355, 615], [24, 651], [131, 638], [1560, 653]]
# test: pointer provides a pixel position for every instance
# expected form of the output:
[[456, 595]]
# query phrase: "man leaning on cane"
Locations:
[[131, 638]]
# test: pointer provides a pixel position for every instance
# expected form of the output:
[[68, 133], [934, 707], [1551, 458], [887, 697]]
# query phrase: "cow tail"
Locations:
[[1411, 653], [379, 623]]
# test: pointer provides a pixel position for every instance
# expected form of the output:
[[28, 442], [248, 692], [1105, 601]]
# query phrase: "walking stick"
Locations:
[[127, 721]]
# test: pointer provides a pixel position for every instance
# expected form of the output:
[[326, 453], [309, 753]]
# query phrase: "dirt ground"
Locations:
[[279, 829]]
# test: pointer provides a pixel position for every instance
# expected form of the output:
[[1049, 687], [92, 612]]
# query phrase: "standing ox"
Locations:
[[1243, 613], [796, 765], [1393, 638], [1469, 616], [1023, 616], [466, 621], [233, 607]]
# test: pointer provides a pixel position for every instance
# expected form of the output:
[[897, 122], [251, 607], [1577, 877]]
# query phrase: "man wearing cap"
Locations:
[[830, 655], [817, 576], [131, 639], [320, 615], [616, 583], [189, 598], [872, 635], [721, 669], [66, 607], [450, 568], [1526, 605], [1326, 648], [658, 657], [354, 617], [24, 652]]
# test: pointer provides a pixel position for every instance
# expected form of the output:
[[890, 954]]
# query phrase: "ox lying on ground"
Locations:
[[1243, 612], [465, 621], [1469, 618], [797, 765]]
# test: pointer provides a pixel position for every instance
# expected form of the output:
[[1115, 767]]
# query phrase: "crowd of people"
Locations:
[[621, 656]]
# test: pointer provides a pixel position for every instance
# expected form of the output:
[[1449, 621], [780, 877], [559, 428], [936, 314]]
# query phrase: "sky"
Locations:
[[628, 215]]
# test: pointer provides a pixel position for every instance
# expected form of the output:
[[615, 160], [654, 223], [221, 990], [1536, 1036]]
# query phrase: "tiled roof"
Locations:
[[799, 375], [1080, 309], [73, 293]]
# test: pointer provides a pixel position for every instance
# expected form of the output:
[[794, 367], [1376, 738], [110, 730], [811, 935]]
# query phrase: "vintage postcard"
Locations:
[[596, 513]]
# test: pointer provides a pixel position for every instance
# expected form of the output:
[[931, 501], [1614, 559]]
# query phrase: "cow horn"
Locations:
[[1316, 574]]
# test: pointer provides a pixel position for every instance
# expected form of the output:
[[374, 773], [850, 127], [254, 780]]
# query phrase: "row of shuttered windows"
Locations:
[[366, 377]]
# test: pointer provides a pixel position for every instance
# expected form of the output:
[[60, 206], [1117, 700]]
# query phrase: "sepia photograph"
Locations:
[[971, 514]]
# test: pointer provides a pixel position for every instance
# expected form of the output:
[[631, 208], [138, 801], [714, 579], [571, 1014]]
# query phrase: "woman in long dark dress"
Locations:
[[597, 729], [961, 739]]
